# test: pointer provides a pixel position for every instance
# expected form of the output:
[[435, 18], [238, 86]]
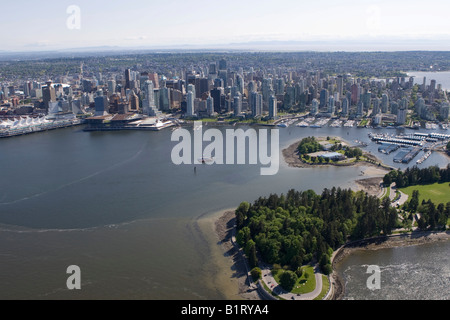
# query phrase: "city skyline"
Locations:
[[282, 25]]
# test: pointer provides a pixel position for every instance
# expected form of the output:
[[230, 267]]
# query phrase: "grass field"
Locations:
[[305, 283], [438, 192]]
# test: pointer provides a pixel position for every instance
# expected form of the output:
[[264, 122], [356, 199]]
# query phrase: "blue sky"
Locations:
[[42, 25]]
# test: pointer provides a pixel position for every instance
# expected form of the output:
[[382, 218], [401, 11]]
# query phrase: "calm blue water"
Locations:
[[442, 78], [114, 204]]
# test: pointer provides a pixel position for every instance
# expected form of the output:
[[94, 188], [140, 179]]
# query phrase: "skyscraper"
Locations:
[[223, 64], [256, 104], [323, 98], [331, 106], [101, 104], [401, 116], [190, 112], [148, 103], [272, 107], [384, 103], [127, 78], [340, 85], [48, 94], [237, 105], [314, 107], [444, 110], [355, 90], [345, 107], [210, 105]]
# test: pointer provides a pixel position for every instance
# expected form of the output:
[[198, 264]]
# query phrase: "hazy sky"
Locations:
[[45, 25]]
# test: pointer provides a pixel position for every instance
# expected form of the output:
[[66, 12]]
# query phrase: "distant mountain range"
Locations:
[[360, 44]]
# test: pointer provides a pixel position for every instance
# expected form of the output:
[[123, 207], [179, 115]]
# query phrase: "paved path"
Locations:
[[275, 287]]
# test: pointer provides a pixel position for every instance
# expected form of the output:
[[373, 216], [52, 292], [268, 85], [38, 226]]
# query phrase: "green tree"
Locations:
[[256, 273], [288, 280]]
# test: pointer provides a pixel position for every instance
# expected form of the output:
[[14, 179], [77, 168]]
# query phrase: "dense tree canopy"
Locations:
[[309, 145], [298, 227], [415, 176]]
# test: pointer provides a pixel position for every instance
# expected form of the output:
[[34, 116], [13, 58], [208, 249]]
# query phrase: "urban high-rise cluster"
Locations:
[[212, 89]]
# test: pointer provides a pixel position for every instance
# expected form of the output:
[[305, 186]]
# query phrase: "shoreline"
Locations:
[[292, 159], [414, 238], [223, 223], [221, 226]]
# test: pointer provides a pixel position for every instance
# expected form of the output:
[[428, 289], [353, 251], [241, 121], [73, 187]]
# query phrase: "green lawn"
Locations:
[[438, 192], [304, 284]]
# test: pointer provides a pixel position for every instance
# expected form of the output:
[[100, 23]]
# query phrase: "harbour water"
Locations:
[[442, 77], [114, 204]]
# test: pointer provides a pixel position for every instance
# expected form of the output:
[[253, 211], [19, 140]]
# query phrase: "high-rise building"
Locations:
[[444, 110], [331, 105], [345, 107], [223, 64], [190, 112], [256, 102], [279, 87], [315, 107], [48, 94], [384, 103], [324, 96], [111, 86], [210, 106], [273, 108], [127, 78], [376, 106], [216, 94], [419, 106], [101, 104], [401, 116], [356, 92], [340, 86], [134, 102], [360, 108], [237, 105], [149, 103], [164, 98]]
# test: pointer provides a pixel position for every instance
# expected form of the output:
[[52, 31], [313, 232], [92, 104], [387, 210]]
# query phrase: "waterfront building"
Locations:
[[272, 107]]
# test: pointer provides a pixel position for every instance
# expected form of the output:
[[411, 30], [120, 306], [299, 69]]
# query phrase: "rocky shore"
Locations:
[[377, 243], [370, 183], [224, 225]]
